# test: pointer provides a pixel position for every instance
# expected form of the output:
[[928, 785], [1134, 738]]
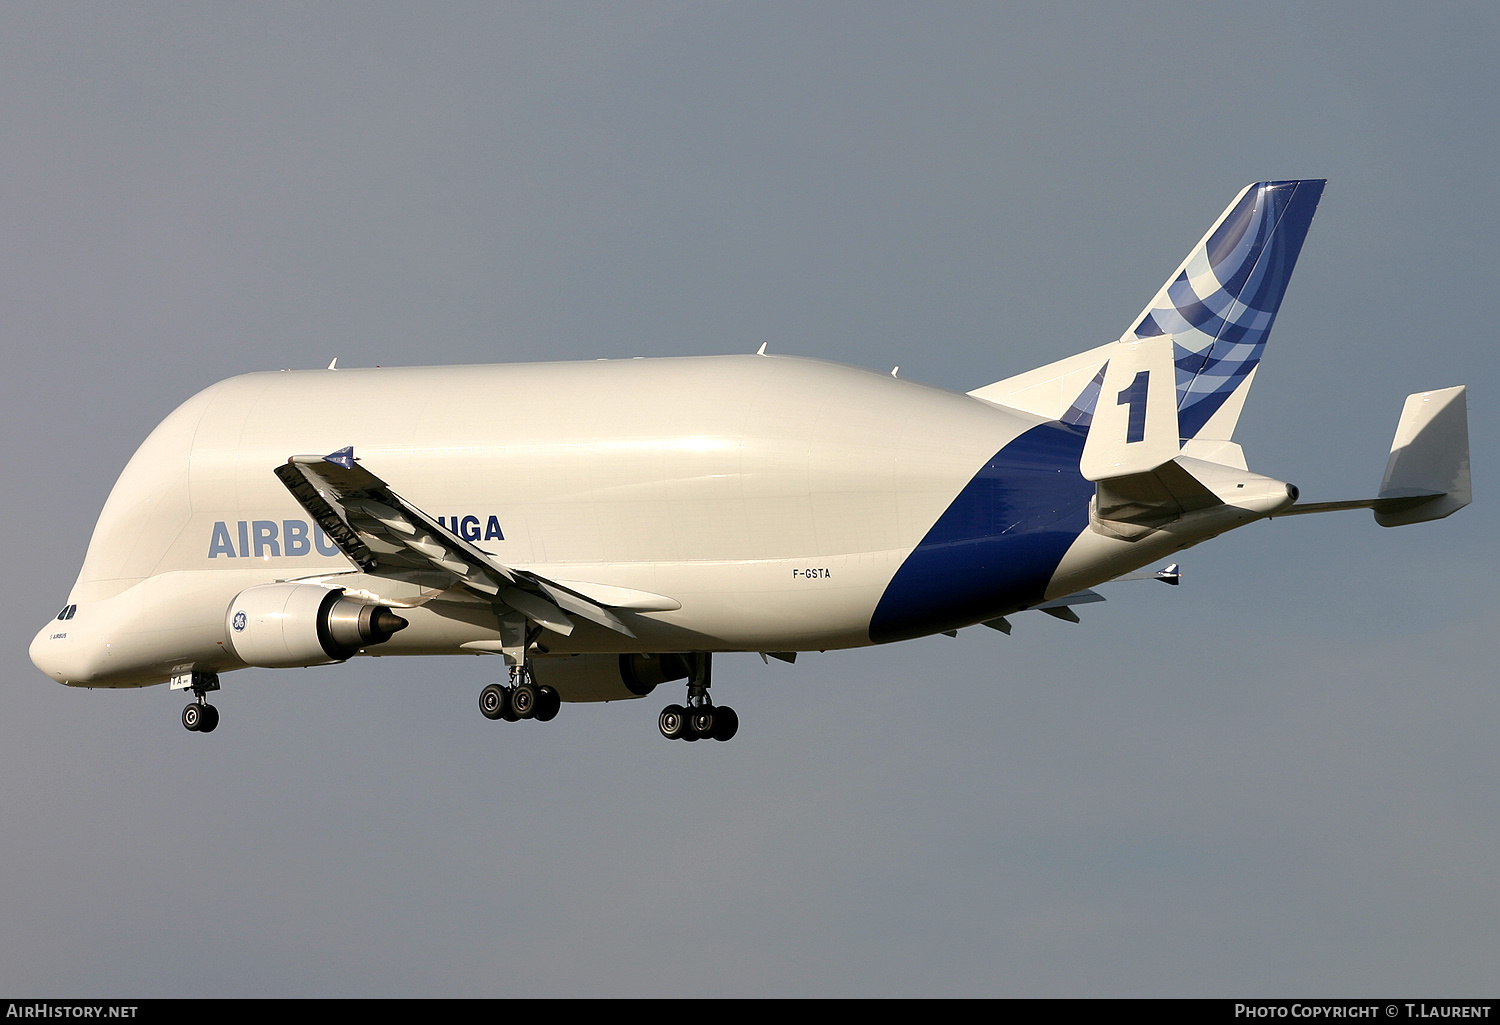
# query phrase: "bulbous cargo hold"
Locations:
[[717, 503]]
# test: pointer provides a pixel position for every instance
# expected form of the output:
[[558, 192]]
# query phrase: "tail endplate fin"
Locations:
[[1134, 427], [1429, 463]]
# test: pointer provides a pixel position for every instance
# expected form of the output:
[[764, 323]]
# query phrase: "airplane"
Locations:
[[606, 526]]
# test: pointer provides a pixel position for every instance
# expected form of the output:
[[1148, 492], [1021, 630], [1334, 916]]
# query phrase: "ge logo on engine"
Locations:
[[239, 621]]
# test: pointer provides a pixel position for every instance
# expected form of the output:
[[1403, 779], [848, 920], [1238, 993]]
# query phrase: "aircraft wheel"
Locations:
[[701, 722], [672, 722], [492, 702], [208, 719], [548, 702], [523, 701], [192, 716], [726, 723]]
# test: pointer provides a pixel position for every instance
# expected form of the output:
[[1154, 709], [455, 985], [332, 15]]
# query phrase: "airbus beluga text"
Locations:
[[625, 519]]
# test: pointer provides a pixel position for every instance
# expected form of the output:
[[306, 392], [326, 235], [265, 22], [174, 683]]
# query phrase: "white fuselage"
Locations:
[[766, 501]]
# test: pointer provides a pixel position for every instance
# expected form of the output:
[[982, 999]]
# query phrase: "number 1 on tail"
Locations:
[[1135, 398]]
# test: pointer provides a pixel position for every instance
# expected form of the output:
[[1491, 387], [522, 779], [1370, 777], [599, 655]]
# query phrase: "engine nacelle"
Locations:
[[607, 677], [281, 626]]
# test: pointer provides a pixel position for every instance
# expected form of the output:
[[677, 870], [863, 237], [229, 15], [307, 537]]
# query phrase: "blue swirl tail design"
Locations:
[[1220, 304]]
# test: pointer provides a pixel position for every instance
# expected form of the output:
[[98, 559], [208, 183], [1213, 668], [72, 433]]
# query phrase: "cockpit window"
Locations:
[[67, 612]]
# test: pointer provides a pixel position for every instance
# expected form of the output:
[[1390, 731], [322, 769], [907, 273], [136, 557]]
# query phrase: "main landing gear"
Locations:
[[200, 716], [523, 699], [700, 719]]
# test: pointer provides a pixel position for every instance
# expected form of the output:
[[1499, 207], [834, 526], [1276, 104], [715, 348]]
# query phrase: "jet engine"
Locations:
[[607, 677], [281, 626]]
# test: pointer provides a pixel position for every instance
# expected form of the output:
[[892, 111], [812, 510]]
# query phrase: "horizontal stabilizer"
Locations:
[[1427, 475], [1127, 506]]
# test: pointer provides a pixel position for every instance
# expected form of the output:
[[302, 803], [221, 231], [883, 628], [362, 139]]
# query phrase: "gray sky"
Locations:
[[1276, 779]]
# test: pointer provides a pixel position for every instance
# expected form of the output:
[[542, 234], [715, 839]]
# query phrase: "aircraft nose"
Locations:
[[48, 650], [68, 650]]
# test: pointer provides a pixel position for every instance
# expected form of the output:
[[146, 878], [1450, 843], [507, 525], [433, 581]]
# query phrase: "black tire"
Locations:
[[523, 700], [494, 702], [192, 716], [548, 702], [208, 719], [672, 722], [701, 721], [726, 723]]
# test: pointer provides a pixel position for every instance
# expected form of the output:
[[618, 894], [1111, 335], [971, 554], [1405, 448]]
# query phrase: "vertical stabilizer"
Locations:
[[1216, 308], [1220, 304]]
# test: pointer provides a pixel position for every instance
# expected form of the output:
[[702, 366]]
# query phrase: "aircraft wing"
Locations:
[[384, 535]]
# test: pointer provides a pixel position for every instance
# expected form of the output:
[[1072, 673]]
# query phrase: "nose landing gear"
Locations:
[[199, 717]]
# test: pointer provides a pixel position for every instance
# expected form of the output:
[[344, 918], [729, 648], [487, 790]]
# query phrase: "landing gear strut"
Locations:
[[199, 717], [523, 699], [700, 718]]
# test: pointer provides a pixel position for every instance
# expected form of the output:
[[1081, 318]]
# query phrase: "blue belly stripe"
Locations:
[[997, 545]]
